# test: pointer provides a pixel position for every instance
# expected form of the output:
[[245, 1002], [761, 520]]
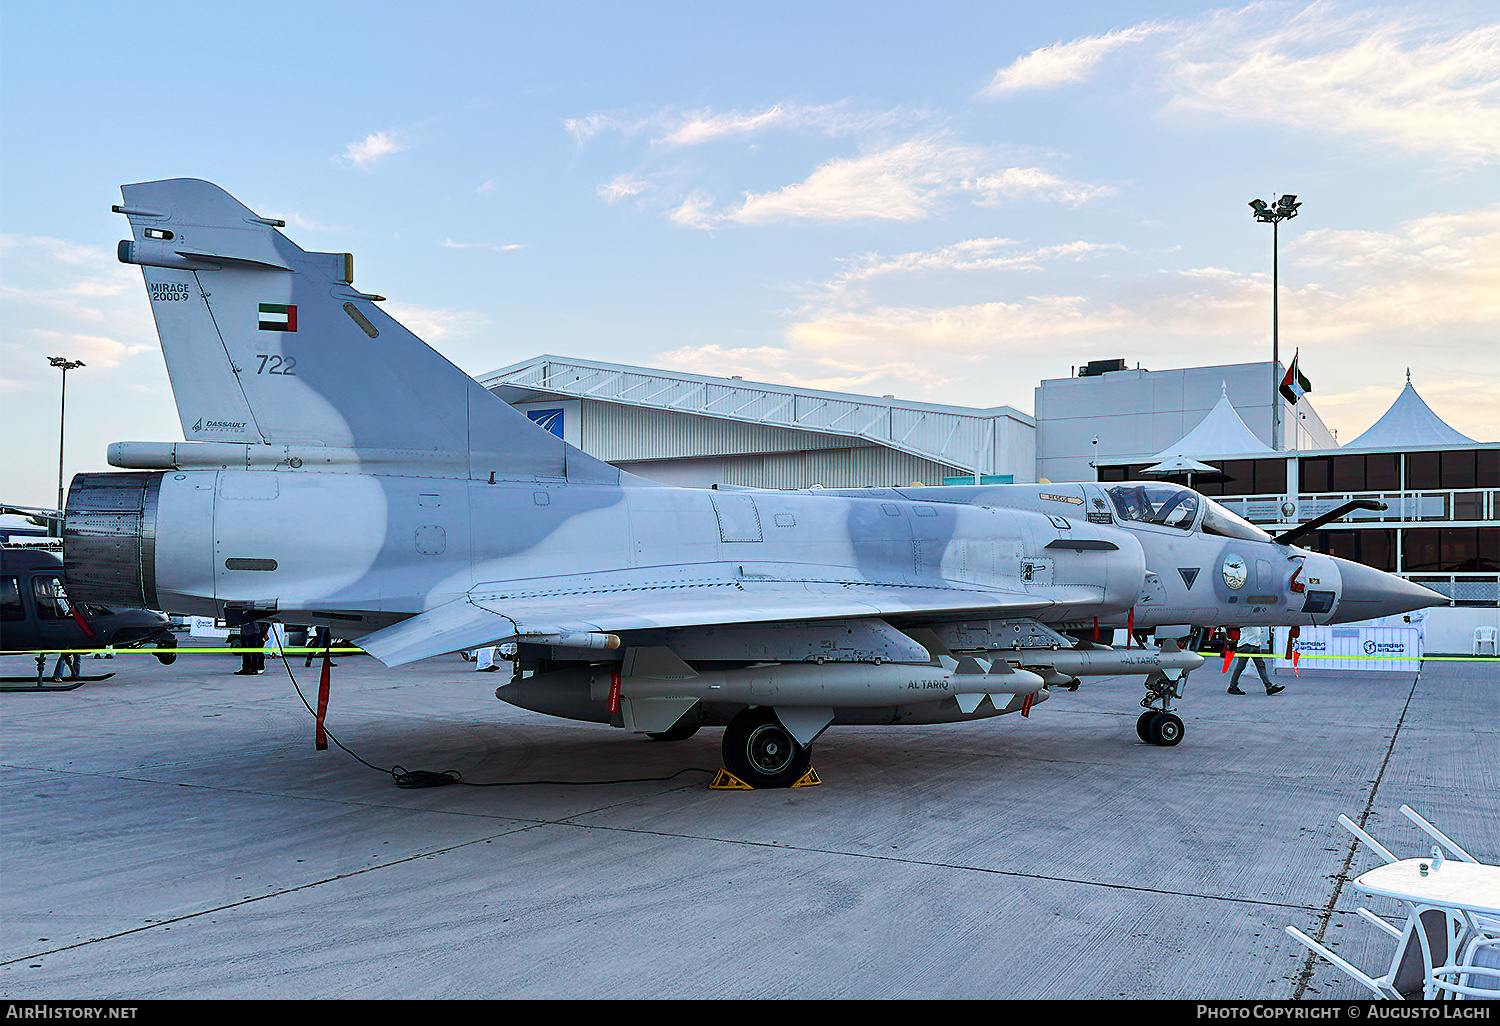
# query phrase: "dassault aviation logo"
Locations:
[[219, 425]]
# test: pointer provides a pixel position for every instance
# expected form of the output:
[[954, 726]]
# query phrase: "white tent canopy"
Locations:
[[1220, 433], [1180, 465], [1408, 424]]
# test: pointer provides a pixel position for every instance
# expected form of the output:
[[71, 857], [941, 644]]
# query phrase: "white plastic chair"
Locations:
[[1435, 952], [1485, 636], [1476, 976]]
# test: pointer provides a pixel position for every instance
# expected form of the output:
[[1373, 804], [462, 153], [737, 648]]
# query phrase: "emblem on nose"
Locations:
[[1235, 571]]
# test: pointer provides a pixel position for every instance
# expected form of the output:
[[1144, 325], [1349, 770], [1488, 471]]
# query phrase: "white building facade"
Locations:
[[1133, 412]]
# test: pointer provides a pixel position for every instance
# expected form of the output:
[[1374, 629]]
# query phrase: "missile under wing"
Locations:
[[338, 471]]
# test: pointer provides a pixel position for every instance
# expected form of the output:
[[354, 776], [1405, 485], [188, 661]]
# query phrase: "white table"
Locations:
[[1470, 886]]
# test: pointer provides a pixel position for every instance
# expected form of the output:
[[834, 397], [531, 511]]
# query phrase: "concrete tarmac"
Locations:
[[172, 833]]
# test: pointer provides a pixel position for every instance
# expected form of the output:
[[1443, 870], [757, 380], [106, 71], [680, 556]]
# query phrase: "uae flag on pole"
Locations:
[[1294, 386], [279, 317]]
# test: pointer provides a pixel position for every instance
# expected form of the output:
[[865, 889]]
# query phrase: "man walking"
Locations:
[[1254, 640]]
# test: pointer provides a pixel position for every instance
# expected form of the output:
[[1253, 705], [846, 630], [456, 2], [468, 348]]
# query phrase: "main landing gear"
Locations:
[[761, 752]]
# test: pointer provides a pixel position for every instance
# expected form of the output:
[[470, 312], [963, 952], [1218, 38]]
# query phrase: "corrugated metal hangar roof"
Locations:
[[955, 436]]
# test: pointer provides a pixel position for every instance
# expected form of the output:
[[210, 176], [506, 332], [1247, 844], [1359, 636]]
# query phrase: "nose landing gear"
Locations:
[[1159, 725]]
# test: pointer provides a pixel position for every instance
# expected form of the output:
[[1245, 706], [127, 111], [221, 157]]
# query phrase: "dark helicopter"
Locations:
[[36, 615]]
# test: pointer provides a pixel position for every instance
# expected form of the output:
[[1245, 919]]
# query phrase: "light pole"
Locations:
[[1285, 209], [63, 364]]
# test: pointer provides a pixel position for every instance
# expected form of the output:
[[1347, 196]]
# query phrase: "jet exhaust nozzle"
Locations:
[[109, 539]]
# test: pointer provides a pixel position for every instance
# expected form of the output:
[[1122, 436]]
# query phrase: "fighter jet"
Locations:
[[338, 471]]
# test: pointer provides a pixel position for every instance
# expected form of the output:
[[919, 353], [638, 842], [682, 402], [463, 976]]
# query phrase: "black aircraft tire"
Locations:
[[164, 651], [760, 751], [1143, 725], [1166, 730], [679, 731]]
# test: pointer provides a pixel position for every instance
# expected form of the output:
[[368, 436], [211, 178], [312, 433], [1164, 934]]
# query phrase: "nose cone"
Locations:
[[1369, 593]]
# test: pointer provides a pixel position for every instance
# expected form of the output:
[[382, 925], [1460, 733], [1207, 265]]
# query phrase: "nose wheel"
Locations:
[[1159, 728]]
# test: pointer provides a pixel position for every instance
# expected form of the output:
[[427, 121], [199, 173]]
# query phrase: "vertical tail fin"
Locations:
[[265, 342]]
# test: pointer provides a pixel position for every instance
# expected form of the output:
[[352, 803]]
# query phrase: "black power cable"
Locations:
[[429, 778]]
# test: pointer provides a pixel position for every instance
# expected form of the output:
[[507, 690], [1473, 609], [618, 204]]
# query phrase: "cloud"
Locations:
[[373, 147], [60, 250], [1397, 76], [585, 128], [493, 246], [95, 351], [1388, 76], [72, 281], [622, 186], [970, 255], [693, 212], [905, 182], [436, 325], [1063, 63], [675, 128], [1440, 271]]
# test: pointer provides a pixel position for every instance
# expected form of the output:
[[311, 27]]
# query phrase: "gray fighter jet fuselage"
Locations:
[[338, 471]]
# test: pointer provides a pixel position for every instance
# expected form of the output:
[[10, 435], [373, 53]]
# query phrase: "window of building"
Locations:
[[1374, 547], [1313, 474], [1422, 470], [1487, 468], [1346, 474], [1375, 472], [1128, 472], [1382, 472], [1455, 468], [1451, 550]]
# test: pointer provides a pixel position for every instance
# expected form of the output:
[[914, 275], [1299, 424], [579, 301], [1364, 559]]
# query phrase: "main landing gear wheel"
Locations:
[[762, 752]]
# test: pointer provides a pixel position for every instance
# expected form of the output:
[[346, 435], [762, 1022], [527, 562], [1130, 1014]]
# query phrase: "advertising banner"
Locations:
[[1353, 648]]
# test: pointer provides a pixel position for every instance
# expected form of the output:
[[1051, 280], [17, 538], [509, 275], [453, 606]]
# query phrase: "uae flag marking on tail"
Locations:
[[1294, 386], [279, 317]]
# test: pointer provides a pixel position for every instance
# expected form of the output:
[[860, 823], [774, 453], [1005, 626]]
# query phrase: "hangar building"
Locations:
[[697, 431]]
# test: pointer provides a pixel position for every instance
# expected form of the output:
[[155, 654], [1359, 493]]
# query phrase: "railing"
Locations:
[[1462, 505], [1462, 589], [1426, 507]]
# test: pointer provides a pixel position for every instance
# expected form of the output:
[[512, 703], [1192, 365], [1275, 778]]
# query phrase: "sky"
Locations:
[[942, 201]]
